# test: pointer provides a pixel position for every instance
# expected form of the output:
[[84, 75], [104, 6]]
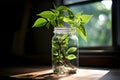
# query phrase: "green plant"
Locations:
[[62, 54], [60, 15]]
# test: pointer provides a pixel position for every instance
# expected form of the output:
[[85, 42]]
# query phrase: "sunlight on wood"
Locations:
[[32, 74], [86, 74], [82, 74]]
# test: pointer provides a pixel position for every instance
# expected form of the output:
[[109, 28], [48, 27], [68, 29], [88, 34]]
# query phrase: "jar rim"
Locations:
[[64, 30]]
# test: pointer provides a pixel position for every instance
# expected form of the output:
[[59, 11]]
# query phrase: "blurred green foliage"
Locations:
[[99, 28]]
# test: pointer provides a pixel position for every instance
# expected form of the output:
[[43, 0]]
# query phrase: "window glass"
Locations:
[[73, 1], [99, 28]]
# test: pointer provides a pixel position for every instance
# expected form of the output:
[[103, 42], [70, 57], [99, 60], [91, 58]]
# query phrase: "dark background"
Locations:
[[19, 43]]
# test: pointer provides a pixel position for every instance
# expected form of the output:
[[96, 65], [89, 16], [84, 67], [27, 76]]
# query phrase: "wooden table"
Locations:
[[45, 73]]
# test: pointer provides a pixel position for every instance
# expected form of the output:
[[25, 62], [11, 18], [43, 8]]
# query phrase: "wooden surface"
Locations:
[[45, 73], [82, 74]]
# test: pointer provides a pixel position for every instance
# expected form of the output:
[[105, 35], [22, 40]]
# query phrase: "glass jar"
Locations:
[[65, 56]]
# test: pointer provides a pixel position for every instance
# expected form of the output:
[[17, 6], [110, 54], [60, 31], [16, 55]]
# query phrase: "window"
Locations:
[[99, 28]]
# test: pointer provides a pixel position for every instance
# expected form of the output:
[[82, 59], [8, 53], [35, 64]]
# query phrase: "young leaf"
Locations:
[[40, 22], [60, 22], [65, 9], [71, 50], [85, 18], [78, 17], [81, 31], [56, 12], [53, 23], [65, 36], [70, 21], [71, 57], [47, 14], [62, 8], [48, 25], [55, 53], [55, 45]]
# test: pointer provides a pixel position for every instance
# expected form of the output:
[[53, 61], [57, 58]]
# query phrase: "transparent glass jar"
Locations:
[[65, 56]]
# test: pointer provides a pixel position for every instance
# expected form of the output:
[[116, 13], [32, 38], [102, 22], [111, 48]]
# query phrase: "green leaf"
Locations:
[[64, 36], [56, 12], [85, 18], [63, 40], [82, 32], [55, 53], [53, 23], [77, 19], [71, 50], [71, 57], [47, 14], [55, 45], [66, 19], [60, 22], [48, 25], [77, 15], [40, 22], [65, 9], [62, 8], [57, 58], [70, 21]]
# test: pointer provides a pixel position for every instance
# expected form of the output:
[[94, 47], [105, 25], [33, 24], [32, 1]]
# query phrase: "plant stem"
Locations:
[[61, 51]]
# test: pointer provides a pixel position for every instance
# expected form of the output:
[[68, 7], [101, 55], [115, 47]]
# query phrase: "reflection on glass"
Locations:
[[99, 29]]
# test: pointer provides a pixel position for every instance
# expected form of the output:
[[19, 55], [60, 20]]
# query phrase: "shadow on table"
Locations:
[[112, 75]]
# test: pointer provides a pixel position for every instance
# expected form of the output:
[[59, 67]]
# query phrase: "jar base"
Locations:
[[64, 71]]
